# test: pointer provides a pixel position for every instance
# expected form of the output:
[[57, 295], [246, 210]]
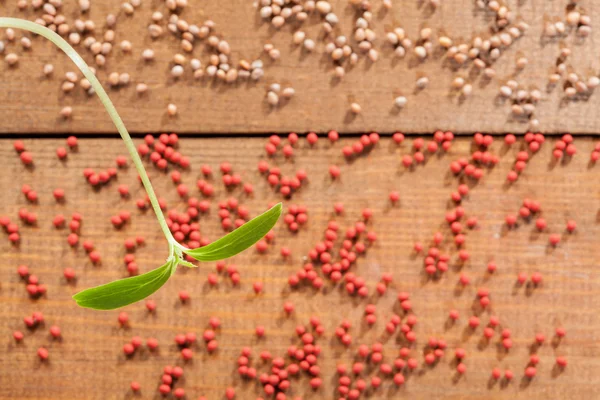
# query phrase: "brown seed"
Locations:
[[231, 75], [288, 92], [172, 110], [49, 9], [182, 26], [111, 20], [400, 101], [522, 62], [274, 54], [96, 47], [177, 71], [10, 34], [85, 84], [66, 112], [124, 78], [197, 64], [71, 76], [67, 86], [148, 54], [127, 8], [109, 36], [157, 16], [26, 42], [309, 44], [100, 60], [88, 42], [84, 5], [179, 59], [113, 79], [278, 21], [106, 48], [48, 69], [155, 31], [299, 37], [141, 88], [187, 46], [422, 82], [74, 37], [272, 98], [125, 46]]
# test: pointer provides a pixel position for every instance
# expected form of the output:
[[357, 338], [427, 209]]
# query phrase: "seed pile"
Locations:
[[333, 262], [472, 62]]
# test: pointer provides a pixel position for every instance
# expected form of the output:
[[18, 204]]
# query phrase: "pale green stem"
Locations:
[[110, 108]]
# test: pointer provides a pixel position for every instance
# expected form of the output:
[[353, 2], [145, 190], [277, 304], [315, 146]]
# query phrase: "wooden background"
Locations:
[[88, 363], [31, 103]]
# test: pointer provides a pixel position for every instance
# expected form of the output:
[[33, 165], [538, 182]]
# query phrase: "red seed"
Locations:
[[511, 220], [561, 361], [461, 368], [398, 137], [123, 318], [398, 379], [164, 389], [530, 372], [184, 296], [230, 393], [26, 158], [334, 171], [42, 353], [18, 336], [473, 322], [152, 343], [19, 146], [560, 332], [496, 373], [261, 246], [55, 331], [61, 153], [187, 354]]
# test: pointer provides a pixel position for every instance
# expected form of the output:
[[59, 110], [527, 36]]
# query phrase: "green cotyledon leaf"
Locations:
[[240, 239], [125, 291]]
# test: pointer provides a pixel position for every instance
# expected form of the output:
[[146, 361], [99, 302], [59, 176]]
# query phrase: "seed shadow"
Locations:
[[524, 383]]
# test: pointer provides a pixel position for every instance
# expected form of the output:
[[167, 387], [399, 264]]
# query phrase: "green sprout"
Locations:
[[129, 290]]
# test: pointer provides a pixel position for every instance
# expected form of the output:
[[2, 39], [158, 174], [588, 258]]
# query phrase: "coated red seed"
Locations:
[[42, 353], [561, 361], [530, 372], [55, 331]]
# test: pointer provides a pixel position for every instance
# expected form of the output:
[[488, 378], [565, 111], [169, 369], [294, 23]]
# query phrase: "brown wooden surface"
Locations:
[[30, 103], [88, 363]]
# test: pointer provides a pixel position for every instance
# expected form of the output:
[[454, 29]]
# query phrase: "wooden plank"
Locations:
[[88, 362], [30, 103]]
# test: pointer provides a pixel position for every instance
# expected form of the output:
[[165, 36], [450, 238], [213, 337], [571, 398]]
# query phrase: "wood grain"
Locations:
[[88, 363], [31, 103]]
